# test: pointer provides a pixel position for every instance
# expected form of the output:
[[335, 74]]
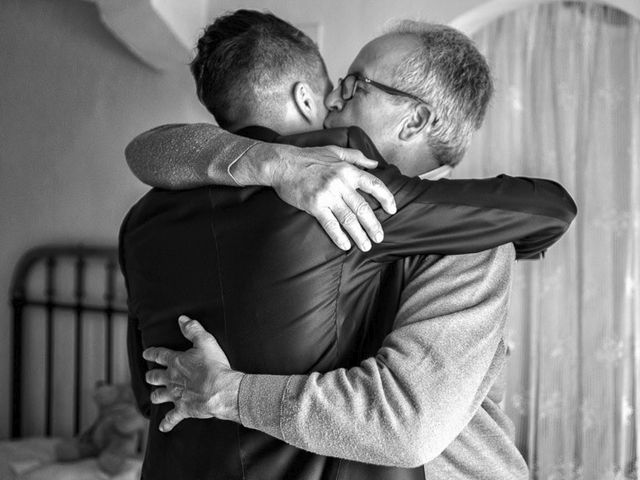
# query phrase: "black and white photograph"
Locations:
[[320, 240]]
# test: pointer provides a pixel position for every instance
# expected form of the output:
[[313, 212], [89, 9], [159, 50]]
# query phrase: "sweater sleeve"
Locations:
[[405, 405], [181, 156]]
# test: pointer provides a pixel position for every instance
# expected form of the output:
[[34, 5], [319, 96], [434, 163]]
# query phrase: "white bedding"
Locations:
[[32, 459]]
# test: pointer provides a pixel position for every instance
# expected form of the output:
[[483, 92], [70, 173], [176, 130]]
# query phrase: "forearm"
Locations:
[[451, 217], [366, 414], [181, 156], [403, 407]]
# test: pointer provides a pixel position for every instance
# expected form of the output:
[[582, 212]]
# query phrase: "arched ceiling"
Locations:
[[161, 33]]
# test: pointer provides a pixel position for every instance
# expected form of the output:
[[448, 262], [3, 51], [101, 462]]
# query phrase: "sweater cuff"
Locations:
[[260, 402], [238, 157], [231, 150]]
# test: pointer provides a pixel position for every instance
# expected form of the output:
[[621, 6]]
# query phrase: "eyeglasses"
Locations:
[[348, 88]]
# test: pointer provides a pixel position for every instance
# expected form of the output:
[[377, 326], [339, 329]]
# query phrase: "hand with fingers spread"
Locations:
[[323, 181], [198, 381]]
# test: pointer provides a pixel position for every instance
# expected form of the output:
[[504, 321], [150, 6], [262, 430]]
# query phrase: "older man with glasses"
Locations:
[[428, 391]]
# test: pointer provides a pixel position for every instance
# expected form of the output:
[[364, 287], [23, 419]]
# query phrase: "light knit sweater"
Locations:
[[430, 394]]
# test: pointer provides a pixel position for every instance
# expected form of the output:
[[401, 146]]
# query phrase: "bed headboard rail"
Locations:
[[75, 282]]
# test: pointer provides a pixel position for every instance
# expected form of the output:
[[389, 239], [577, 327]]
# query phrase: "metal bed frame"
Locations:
[[110, 305]]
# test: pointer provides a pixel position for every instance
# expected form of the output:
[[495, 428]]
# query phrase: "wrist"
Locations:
[[255, 166], [224, 403]]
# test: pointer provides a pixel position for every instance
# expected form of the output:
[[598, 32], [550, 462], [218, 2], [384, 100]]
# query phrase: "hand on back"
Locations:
[[324, 182]]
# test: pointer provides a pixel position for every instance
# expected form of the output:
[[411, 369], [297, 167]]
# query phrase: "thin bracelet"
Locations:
[[234, 162]]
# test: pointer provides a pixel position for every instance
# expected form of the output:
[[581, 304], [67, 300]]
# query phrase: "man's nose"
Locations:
[[334, 101]]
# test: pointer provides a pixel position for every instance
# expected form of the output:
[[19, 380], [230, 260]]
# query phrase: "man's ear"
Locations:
[[304, 100], [419, 119]]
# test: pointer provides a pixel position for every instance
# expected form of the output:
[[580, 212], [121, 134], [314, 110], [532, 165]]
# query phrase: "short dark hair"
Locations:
[[448, 72], [248, 60]]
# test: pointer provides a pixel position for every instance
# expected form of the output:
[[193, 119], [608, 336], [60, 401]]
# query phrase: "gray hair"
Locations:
[[453, 77]]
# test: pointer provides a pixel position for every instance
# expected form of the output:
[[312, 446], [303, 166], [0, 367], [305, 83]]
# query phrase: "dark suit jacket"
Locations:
[[280, 298]]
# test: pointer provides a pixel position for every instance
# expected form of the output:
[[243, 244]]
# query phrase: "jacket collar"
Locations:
[[351, 137], [315, 138], [257, 132]]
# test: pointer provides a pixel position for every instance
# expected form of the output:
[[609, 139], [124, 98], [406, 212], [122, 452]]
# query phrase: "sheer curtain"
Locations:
[[567, 107]]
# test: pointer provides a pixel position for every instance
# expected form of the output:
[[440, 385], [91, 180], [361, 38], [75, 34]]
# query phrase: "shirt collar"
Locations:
[[257, 132], [443, 171]]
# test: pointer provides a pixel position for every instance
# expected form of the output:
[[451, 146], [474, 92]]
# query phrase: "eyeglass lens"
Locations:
[[348, 87]]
